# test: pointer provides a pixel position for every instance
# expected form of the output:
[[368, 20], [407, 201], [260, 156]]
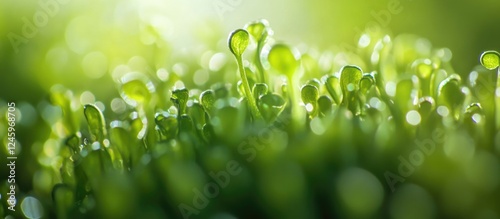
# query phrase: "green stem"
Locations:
[[297, 117], [259, 63], [497, 102], [248, 93]]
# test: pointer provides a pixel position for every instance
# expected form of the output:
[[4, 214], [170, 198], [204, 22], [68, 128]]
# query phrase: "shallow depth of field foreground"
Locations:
[[249, 109]]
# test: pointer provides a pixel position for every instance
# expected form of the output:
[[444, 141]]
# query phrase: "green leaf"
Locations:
[[474, 108], [422, 67], [197, 113], [137, 125], [136, 89], [67, 171], [366, 82], [474, 115], [259, 89], [207, 100], [325, 104], [490, 59], [61, 96], [332, 84], [310, 65], [404, 98], [228, 123], [120, 137], [180, 98], [425, 106], [208, 132], [350, 75], [271, 106], [73, 142], [221, 90], [259, 29], [185, 124], [450, 93], [96, 122], [167, 124], [284, 59], [64, 199], [315, 82], [238, 42], [310, 95]]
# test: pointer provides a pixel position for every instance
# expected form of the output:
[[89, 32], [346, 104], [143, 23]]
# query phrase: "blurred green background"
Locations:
[[88, 45], [109, 33]]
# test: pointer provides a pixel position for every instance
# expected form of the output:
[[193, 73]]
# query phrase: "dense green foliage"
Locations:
[[296, 133]]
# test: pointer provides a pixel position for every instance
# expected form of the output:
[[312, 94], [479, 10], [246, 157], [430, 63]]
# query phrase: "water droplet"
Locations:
[[390, 88], [201, 77], [317, 126], [364, 40], [413, 118], [118, 106], [162, 74], [217, 62], [443, 111], [31, 207]]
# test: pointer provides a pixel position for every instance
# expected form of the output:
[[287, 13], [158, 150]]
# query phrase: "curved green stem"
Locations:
[[497, 102], [297, 117], [259, 63], [248, 92]]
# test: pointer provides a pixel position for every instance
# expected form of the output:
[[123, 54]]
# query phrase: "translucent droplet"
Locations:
[[87, 97], [162, 74], [443, 111], [118, 105], [364, 41], [32, 208], [413, 118], [317, 126], [201, 77], [217, 62]]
